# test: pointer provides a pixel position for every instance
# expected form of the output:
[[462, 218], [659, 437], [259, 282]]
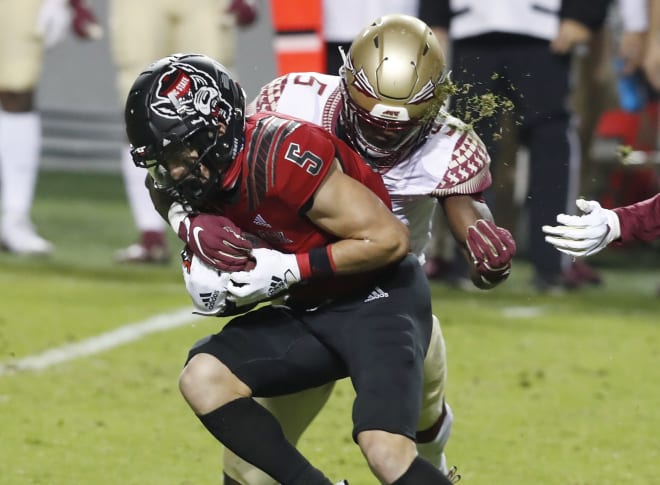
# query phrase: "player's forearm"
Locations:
[[275, 272], [488, 249], [359, 255], [369, 235], [640, 221]]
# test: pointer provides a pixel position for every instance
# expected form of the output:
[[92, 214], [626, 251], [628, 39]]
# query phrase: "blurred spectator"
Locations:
[[651, 61], [516, 50], [340, 28], [609, 80], [634, 20], [142, 32], [629, 30], [26, 28]]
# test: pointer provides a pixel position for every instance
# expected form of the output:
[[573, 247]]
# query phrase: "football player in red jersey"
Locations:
[[386, 103], [358, 303]]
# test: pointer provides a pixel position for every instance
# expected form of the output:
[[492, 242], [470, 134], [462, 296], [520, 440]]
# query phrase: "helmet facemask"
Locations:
[[391, 86], [188, 169], [381, 142]]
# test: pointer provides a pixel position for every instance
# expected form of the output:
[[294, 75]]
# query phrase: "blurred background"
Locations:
[[78, 93]]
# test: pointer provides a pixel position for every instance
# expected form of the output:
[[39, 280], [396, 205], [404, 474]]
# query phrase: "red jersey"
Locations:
[[283, 163], [281, 167]]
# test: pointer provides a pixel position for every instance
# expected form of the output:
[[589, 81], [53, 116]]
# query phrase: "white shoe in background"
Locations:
[[23, 239], [139, 253]]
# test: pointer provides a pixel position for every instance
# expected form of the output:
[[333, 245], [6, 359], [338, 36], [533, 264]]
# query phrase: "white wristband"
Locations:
[[176, 215], [615, 225]]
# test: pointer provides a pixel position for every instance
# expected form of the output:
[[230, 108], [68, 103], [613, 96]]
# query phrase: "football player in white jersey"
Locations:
[[387, 104], [27, 29]]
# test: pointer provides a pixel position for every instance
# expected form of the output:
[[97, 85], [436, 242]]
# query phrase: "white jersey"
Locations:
[[452, 161], [535, 18]]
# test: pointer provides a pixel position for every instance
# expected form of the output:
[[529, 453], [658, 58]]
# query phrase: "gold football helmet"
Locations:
[[392, 88]]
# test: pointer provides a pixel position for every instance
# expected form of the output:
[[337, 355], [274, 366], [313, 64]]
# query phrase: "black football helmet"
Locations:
[[185, 120]]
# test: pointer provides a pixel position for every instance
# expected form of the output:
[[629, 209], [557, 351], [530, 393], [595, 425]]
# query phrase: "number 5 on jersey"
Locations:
[[308, 160]]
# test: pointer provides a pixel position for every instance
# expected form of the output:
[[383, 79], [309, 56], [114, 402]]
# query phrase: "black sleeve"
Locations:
[[591, 13], [436, 13]]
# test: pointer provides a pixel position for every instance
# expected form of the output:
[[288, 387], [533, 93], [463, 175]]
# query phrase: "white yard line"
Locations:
[[105, 341], [523, 311], [136, 331]]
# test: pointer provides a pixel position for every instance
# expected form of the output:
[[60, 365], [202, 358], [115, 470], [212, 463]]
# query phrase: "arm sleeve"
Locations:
[[591, 13], [640, 221], [436, 13]]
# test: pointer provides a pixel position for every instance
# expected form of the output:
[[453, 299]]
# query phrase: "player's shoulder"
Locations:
[[297, 84], [468, 167], [265, 127], [460, 136], [284, 158], [448, 125], [306, 78], [273, 136]]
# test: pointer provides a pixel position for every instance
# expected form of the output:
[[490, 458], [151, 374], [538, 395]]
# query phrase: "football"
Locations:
[[256, 242]]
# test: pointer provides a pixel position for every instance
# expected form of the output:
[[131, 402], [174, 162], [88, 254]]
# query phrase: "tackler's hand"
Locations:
[[492, 249]]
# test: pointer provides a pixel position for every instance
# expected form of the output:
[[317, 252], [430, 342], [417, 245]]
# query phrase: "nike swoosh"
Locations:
[[196, 232]]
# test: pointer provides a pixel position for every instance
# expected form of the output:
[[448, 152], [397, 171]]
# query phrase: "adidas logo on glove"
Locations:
[[209, 299]]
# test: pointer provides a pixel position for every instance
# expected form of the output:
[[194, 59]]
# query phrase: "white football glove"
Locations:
[[273, 274], [206, 285], [53, 21], [584, 235]]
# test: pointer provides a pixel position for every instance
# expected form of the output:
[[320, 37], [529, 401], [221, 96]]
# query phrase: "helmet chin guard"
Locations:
[[185, 120], [392, 81]]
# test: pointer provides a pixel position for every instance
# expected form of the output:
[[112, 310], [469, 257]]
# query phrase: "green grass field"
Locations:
[[545, 389]]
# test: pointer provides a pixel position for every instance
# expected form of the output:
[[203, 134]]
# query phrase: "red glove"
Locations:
[[216, 241], [492, 249], [245, 11], [83, 22]]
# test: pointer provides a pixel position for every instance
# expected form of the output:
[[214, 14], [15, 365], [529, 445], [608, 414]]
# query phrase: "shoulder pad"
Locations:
[[468, 170]]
